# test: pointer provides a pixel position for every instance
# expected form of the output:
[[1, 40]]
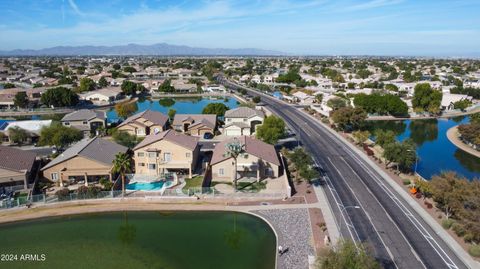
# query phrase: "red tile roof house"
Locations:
[[17, 167], [259, 161]]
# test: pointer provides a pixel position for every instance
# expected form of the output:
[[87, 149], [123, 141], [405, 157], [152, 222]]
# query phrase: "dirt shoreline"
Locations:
[[453, 136]]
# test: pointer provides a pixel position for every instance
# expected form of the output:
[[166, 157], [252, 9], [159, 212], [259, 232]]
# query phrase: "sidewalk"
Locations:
[[442, 233]]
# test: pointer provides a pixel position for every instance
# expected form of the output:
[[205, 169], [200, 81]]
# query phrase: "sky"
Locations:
[[303, 27]]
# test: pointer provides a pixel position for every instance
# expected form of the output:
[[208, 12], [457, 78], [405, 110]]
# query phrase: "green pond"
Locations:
[[141, 240]]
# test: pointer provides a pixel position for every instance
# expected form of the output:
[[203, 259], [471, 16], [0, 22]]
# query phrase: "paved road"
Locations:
[[384, 221]]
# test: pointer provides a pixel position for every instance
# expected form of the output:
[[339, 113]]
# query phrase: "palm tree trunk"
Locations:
[[123, 184], [235, 174]]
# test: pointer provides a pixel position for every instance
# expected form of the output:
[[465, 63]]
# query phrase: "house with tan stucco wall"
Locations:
[[259, 161], [195, 124], [17, 168], [86, 161], [168, 151], [145, 123]]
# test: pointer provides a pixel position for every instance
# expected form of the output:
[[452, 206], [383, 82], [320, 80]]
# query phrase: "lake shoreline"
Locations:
[[454, 136]]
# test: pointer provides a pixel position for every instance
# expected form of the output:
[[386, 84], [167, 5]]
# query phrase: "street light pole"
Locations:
[[341, 212]]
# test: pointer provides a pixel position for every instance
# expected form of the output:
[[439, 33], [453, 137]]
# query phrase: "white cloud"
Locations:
[[374, 4], [75, 8]]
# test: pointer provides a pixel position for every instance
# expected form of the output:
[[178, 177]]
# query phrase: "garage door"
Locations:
[[233, 132]]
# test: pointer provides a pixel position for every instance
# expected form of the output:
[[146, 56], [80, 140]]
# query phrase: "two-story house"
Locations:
[[195, 124], [145, 123], [242, 121], [258, 161], [168, 151], [87, 121]]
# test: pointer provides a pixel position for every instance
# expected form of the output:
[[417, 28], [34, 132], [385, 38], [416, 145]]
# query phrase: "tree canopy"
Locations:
[[426, 99], [126, 109], [166, 86], [86, 84], [58, 135], [59, 97], [348, 118], [129, 87], [102, 82], [215, 108], [381, 104], [21, 100], [272, 129], [18, 135], [346, 255], [336, 103]]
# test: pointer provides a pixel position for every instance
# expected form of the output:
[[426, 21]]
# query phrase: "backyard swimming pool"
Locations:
[[146, 186]]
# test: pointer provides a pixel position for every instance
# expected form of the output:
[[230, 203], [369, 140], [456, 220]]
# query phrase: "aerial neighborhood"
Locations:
[[236, 130], [77, 114]]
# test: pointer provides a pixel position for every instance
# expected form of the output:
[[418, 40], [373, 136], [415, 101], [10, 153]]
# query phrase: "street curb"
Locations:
[[454, 245]]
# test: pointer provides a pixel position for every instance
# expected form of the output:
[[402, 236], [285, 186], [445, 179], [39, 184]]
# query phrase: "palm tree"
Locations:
[[234, 149], [122, 165]]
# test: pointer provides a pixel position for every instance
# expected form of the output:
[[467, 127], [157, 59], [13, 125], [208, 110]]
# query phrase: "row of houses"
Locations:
[[164, 149]]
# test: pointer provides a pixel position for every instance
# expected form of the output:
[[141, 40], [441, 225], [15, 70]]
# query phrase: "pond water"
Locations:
[[139, 240], [436, 153], [181, 105]]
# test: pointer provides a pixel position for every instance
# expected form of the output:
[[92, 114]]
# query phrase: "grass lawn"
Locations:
[[195, 182]]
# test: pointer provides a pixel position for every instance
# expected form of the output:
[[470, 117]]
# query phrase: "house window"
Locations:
[[167, 156], [229, 120], [85, 122], [54, 176], [152, 166], [141, 164], [140, 131], [245, 120], [269, 172], [152, 154], [140, 154], [187, 154], [66, 123], [221, 171]]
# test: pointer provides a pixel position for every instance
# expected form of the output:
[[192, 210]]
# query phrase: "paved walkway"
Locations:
[[454, 137], [442, 233], [444, 115]]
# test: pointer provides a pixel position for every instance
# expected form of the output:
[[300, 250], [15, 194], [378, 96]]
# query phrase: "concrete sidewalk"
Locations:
[[439, 230]]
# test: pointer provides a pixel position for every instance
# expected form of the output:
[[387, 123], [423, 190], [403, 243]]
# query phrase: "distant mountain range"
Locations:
[[161, 49]]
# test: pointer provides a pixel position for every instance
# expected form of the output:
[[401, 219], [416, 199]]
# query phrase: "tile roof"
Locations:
[[209, 120], [156, 117], [180, 139], [96, 149], [16, 159], [84, 114], [253, 146], [243, 112]]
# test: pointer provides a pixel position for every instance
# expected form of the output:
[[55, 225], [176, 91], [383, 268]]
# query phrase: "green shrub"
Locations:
[[459, 229], [469, 237], [406, 182], [62, 194], [107, 184], [474, 250], [447, 223]]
